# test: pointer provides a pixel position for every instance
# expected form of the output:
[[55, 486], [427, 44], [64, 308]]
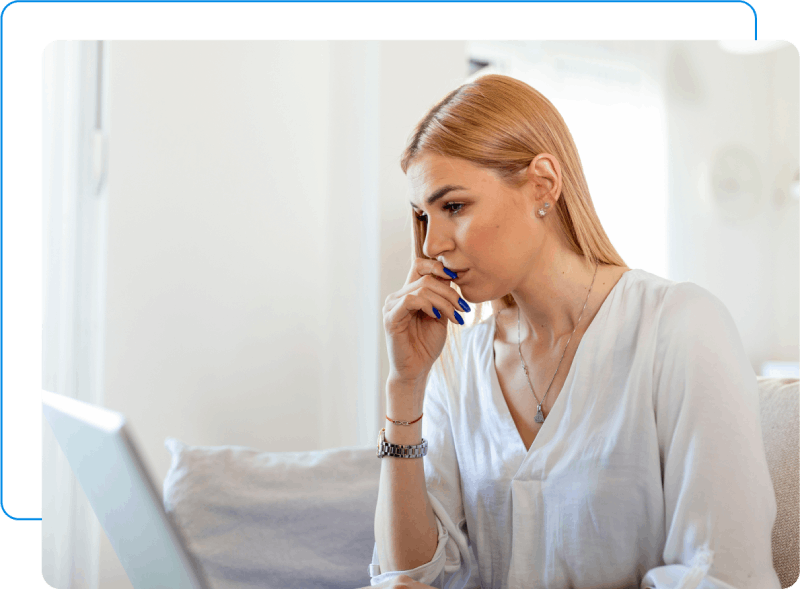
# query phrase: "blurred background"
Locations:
[[224, 220]]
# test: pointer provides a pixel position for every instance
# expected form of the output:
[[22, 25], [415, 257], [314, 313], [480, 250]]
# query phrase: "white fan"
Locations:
[[735, 183]]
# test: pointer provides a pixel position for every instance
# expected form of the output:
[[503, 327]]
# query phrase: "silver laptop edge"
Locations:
[[104, 457]]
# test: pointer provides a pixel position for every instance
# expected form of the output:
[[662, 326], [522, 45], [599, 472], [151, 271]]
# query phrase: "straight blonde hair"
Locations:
[[500, 123]]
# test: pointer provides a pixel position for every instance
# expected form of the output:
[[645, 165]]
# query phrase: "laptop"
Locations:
[[103, 455]]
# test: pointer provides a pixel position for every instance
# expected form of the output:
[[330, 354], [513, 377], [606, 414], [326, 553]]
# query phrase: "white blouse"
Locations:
[[649, 470]]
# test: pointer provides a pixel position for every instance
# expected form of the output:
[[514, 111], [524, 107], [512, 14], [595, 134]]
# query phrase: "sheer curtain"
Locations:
[[74, 210]]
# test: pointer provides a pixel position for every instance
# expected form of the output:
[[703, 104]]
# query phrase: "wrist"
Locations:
[[407, 408], [402, 383], [405, 395]]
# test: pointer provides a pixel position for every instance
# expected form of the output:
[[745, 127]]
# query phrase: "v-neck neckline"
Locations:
[[558, 405]]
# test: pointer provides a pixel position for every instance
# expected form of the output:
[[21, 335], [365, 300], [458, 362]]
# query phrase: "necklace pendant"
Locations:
[[539, 416]]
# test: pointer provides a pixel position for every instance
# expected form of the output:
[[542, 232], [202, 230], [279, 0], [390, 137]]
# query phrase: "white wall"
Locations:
[[716, 99], [785, 159], [254, 192]]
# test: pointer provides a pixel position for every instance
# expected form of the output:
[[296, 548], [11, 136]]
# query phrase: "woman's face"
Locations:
[[477, 226]]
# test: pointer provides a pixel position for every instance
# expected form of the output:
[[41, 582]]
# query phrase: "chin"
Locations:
[[476, 296]]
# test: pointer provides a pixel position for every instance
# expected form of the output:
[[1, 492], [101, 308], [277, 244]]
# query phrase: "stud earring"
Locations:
[[542, 212]]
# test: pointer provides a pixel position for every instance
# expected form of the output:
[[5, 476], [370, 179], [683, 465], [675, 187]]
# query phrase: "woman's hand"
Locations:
[[415, 336]]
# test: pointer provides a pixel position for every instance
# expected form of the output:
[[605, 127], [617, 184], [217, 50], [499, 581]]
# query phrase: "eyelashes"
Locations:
[[453, 207]]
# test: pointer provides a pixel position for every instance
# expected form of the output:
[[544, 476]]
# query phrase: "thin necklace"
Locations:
[[539, 415]]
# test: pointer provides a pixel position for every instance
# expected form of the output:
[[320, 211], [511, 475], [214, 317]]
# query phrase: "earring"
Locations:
[[542, 212]]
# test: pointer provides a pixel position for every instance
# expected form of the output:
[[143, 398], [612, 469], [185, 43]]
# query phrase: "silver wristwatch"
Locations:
[[387, 449]]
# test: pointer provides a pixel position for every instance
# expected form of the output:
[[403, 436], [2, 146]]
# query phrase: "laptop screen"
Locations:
[[103, 455]]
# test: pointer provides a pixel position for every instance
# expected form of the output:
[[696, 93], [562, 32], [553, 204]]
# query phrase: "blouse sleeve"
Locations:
[[718, 496], [450, 566]]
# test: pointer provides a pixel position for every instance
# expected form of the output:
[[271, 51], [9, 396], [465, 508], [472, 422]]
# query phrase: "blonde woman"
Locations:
[[600, 429]]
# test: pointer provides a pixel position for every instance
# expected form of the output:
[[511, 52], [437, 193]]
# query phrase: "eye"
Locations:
[[448, 206]]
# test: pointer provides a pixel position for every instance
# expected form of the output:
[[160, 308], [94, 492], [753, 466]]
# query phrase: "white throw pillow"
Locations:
[[275, 519]]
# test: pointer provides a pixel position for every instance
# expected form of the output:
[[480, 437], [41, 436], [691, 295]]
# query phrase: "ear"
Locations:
[[544, 173]]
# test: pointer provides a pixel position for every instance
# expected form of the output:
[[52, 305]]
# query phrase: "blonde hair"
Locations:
[[501, 123]]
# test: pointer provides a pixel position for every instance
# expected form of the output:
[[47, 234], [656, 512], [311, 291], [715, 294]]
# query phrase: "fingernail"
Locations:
[[463, 304], [458, 318], [450, 273], [436, 312]]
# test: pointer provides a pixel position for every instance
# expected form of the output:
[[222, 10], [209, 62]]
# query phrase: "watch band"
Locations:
[[399, 451]]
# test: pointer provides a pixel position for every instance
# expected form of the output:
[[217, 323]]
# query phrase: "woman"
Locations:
[[600, 429]]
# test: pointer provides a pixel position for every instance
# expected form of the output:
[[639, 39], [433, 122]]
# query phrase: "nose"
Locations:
[[436, 242]]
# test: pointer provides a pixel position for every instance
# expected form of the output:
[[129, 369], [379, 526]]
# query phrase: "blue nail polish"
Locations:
[[463, 304], [436, 312], [458, 318], [450, 273]]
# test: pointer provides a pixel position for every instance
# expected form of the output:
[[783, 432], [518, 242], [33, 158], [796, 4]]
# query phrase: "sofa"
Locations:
[[261, 520]]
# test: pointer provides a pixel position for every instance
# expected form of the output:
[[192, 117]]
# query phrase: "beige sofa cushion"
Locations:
[[780, 423]]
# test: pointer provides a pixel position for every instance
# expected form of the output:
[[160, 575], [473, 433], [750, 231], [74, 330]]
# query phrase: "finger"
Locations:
[[438, 294], [407, 305], [425, 266], [442, 304]]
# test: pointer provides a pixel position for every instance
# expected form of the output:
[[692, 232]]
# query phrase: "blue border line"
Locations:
[[2, 14], [755, 16]]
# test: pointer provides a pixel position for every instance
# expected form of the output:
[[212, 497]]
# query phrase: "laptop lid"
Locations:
[[103, 455]]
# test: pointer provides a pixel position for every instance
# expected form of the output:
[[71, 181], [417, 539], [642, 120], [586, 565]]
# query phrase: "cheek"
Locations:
[[489, 249], [500, 249], [481, 238]]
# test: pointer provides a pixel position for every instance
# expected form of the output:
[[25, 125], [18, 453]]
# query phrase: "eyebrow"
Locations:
[[440, 193]]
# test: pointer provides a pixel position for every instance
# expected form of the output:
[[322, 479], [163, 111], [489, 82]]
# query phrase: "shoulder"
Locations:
[[666, 302], [644, 290], [690, 311], [697, 338]]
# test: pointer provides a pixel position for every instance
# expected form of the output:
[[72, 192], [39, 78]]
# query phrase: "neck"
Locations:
[[551, 297]]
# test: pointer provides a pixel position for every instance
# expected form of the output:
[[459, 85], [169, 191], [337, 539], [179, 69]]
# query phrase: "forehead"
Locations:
[[429, 172], [429, 169]]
